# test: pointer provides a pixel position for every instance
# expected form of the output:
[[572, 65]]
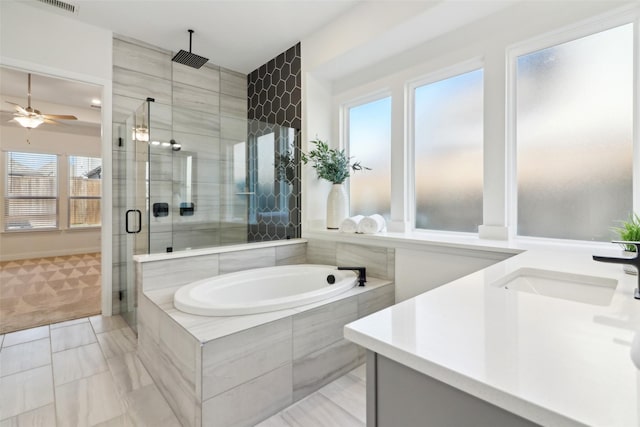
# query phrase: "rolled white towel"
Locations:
[[372, 224], [350, 225]]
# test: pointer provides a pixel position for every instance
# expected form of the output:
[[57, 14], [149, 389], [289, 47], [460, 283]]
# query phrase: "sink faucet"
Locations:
[[362, 273], [635, 261]]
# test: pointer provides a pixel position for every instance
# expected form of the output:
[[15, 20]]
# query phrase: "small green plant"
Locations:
[[629, 231], [330, 164]]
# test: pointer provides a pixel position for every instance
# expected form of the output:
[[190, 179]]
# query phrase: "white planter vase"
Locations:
[[337, 206]]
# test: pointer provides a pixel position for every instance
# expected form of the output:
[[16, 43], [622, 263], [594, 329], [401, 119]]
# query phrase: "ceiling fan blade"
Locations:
[[60, 116], [50, 121], [21, 110]]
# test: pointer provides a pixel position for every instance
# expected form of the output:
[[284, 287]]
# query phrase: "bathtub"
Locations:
[[262, 290]]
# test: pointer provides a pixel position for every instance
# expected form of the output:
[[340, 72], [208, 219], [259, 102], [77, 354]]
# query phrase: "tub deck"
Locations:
[[208, 367]]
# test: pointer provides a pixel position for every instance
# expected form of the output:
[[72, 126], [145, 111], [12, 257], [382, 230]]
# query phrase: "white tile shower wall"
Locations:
[[141, 70]]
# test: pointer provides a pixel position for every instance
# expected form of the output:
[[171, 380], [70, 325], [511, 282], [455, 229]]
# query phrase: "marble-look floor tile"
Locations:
[[25, 391], [107, 323], [1, 340], [73, 364], [26, 335], [275, 421], [69, 323], [360, 372], [318, 411], [120, 421], [349, 393], [88, 401], [117, 342], [44, 416], [25, 356], [147, 407], [128, 372], [72, 336]]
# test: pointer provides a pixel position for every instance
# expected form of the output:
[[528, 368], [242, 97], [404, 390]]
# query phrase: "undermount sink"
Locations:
[[555, 284]]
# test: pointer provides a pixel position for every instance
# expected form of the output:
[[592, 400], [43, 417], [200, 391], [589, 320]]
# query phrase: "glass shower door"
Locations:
[[135, 220]]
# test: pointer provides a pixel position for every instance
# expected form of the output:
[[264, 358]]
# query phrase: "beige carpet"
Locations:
[[41, 291]]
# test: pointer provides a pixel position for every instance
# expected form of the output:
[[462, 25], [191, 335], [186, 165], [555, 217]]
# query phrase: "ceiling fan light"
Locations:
[[29, 122]]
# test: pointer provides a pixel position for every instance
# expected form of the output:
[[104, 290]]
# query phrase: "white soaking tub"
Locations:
[[262, 290]]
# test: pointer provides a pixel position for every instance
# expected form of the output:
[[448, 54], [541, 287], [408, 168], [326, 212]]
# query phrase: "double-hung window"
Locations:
[[85, 191], [448, 139], [31, 194]]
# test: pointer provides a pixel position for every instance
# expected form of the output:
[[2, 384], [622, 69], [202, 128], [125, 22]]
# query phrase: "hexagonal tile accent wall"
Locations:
[[275, 117]]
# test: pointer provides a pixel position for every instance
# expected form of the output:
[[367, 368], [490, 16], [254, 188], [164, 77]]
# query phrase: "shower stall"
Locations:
[[181, 184]]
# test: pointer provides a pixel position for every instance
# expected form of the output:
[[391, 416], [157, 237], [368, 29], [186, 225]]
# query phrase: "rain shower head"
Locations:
[[188, 58]]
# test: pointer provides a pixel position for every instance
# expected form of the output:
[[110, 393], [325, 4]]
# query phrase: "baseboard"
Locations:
[[49, 253]]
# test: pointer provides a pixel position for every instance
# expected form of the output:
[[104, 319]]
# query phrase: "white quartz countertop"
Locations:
[[553, 361]]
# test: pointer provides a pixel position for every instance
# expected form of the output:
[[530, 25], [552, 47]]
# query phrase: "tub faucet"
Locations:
[[362, 273], [635, 261]]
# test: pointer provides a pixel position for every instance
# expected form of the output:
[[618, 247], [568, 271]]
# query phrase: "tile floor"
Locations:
[[41, 291], [85, 372]]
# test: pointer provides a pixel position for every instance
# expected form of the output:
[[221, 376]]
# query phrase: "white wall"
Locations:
[[33, 39], [487, 39], [419, 271]]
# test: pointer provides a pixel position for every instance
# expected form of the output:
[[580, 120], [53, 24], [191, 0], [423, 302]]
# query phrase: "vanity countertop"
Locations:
[[550, 360]]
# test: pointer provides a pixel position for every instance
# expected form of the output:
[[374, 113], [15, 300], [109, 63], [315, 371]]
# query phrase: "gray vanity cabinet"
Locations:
[[399, 396]]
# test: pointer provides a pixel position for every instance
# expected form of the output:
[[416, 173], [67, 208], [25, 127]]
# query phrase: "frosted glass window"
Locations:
[[85, 191], [448, 130], [31, 194], [370, 144], [574, 137]]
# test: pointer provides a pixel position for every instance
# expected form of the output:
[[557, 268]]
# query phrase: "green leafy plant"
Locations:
[[629, 231], [330, 164], [286, 166]]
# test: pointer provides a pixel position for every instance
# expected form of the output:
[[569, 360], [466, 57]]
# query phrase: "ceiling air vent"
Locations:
[[67, 7]]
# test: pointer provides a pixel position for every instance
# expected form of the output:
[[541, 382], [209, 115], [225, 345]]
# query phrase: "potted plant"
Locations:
[[334, 166], [629, 231]]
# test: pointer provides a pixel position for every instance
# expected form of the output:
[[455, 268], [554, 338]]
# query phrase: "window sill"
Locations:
[[456, 242], [49, 230]]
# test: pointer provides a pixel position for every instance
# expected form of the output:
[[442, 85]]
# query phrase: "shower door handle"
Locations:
[[126, 218]]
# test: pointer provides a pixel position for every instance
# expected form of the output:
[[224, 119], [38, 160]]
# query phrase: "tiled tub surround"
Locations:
[[240, 370]]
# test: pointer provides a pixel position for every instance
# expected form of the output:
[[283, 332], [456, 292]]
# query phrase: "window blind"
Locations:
[[31, 194]]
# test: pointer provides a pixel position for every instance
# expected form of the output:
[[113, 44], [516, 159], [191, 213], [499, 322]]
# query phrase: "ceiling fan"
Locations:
[[31, 118]]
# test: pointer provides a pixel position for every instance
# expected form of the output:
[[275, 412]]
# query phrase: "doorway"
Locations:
[[51, 184]]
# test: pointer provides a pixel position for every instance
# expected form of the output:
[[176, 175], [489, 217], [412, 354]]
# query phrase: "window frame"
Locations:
[[345, 122], [70, 198], [544, 41], [470, 65], [6, 197]]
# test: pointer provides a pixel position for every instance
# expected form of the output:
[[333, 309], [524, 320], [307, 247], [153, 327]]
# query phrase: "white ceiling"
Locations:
[[237, 34], [13, 84], [242, 35], [51, 96]]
